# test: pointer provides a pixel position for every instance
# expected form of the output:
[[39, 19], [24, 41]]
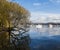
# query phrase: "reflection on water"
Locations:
[[45, 31], [45, 38]]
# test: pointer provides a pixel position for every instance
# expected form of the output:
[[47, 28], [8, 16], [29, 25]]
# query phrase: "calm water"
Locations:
[[45, 38]]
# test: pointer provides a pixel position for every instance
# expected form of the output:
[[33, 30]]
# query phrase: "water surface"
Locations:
[[45, 38]]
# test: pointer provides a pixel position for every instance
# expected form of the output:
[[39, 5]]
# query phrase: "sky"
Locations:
[[42, 10]]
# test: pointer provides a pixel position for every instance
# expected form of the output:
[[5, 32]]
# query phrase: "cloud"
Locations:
[[37, 4], [44, 17], [55, 1]]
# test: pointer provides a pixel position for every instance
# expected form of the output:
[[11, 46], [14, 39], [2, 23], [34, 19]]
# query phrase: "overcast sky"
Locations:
[[42, 10]]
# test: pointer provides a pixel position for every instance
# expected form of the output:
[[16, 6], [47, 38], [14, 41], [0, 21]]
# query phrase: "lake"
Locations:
[[44, 38]]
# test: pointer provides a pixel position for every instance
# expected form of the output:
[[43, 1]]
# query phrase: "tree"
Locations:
[[11, 15], [14, 12]]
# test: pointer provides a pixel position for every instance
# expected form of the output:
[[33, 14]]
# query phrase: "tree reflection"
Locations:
[[20, 41]]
